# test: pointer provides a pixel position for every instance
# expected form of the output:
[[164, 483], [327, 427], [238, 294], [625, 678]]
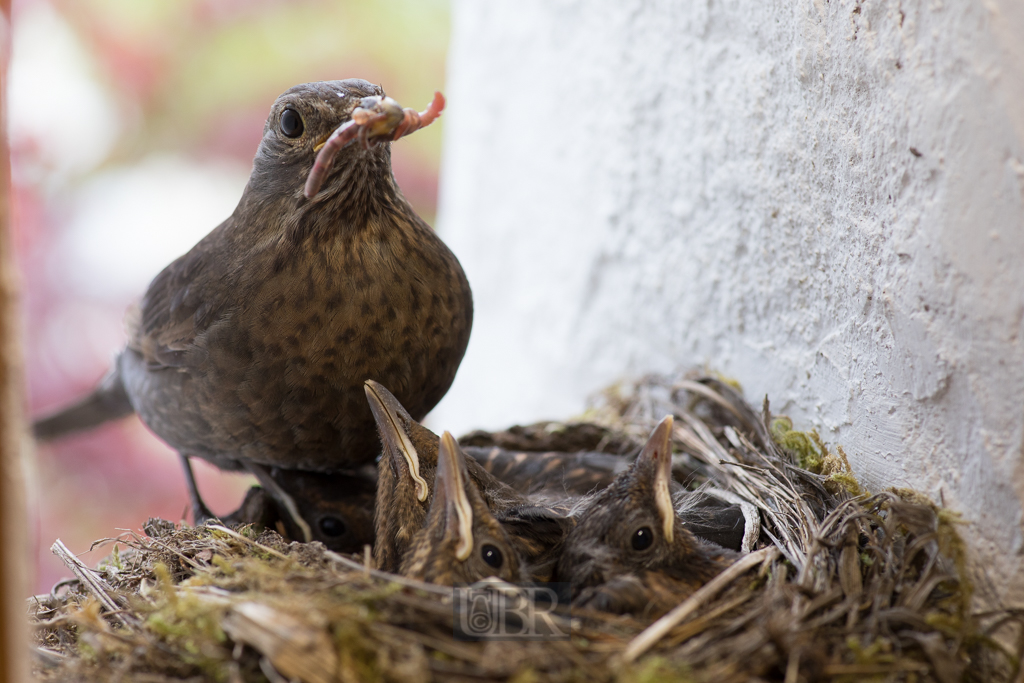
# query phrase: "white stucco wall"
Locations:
[[823, 200]]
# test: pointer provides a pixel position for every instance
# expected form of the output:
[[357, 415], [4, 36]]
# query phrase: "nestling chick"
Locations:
[[461, 541], [630, 551], [335, 509], [551, 473], [405, 478], [536, 525]]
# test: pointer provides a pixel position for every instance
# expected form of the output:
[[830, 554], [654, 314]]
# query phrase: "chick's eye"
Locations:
[[642, 538], [332, 526], [492, 556], [291, 123]]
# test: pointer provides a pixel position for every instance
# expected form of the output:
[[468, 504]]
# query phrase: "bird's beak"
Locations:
[[380, 116], [656, 459], [389, 414], [450, 496], [376, 119]]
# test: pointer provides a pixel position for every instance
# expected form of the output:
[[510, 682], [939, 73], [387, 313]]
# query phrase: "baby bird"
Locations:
[[405, 478], [536, 524], [630, 551], [537, 517], [461, 541], [552, 472], [335, 509]]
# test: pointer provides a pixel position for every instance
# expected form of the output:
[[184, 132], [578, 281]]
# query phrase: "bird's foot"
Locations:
[[200, 513]]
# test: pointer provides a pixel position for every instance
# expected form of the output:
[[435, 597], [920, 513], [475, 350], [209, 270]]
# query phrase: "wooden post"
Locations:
[[14, 551]]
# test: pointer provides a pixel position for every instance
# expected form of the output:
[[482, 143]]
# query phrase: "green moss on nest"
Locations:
[[812, 453], [952, 546], [725, 379], [188, 624], [527, 675], [358, 657], [658, 670], [806, 447]]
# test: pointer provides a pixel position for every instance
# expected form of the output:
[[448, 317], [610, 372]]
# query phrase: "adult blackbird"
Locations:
[[631, 550], [253, 347]]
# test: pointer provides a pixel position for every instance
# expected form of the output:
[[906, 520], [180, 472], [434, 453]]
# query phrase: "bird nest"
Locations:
[[845, 585]]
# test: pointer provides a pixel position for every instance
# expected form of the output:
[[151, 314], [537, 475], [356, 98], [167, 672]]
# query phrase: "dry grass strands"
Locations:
[[841, 587]]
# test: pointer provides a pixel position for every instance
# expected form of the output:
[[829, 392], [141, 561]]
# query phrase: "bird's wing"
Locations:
[[180, 304]]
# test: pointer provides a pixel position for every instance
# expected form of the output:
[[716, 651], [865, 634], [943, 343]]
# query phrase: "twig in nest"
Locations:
[[237, 536], [387, 576], [94, 583], [656, 631]]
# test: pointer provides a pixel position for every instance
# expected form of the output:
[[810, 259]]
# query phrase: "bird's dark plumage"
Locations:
[[460, 540], [630, 550], [254, 346], [333, 508], [405, 478]]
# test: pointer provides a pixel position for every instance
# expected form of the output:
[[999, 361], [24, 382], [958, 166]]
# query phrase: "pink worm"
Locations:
[[362, 119]]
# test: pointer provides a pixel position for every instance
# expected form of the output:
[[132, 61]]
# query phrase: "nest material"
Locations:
[[847, 587]]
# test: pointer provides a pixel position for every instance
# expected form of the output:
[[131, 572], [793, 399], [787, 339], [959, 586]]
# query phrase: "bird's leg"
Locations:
[[282, 497], [200, 513]]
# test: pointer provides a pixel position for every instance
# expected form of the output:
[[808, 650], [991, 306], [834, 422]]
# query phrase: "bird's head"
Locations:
[[631, 525], [409, 450], [405, 475], [317, 133], [461, 541], [299, 124], [338, 507]]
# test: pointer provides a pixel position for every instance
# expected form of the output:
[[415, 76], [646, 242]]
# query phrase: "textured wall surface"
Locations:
[[823, 200]]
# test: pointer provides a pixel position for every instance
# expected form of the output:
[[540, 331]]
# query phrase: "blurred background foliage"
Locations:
[[133, 124]]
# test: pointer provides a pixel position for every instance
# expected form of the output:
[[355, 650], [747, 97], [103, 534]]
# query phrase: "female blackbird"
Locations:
[[253, 346], [630, 550], [461, 541]]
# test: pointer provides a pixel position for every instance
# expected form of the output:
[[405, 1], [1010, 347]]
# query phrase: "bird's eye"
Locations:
[[492, 556], [332, 526], [291, 123], [643, 538]]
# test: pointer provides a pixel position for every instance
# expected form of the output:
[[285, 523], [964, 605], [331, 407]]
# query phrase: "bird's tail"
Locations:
[[108, 401]]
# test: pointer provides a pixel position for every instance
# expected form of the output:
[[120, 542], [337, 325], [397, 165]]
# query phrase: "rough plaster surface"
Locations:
[[823, 200]]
